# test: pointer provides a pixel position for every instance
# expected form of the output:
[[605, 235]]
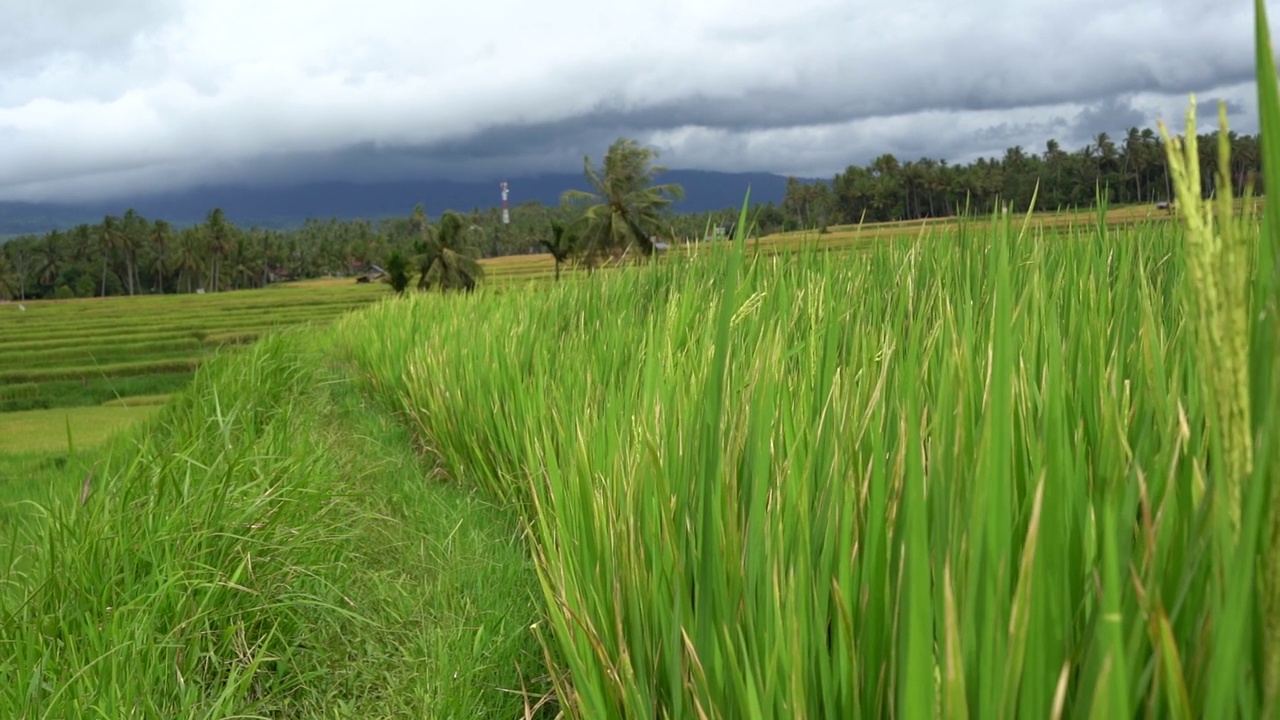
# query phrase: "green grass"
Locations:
[[88, 391], [264, 546], [39, 431]]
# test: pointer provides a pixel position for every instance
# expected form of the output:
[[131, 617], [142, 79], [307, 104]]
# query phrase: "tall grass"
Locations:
[[925, 478], [964, 474], [195, 569], [264, 548]]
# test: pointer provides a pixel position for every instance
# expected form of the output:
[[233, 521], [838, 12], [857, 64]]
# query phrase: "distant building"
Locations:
[[371, 273]]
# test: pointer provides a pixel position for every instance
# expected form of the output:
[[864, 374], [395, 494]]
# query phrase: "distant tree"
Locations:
[[418, 221], [446, 259], [397, 272], [21, 263], [133, 234], [562, 244], [10, 287], [623, 208], [218, 235], [161, 232], [188, 258], [108, 240]]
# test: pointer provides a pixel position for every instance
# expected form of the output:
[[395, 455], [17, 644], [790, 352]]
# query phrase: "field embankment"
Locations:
[[263, 546]]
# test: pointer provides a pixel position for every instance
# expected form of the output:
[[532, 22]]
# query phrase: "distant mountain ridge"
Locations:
[[290, 206]]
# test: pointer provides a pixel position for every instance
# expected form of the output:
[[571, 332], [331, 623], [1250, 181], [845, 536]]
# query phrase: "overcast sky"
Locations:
[[100, 99]]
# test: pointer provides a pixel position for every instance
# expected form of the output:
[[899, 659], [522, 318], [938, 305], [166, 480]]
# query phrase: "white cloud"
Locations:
[[149, 94]]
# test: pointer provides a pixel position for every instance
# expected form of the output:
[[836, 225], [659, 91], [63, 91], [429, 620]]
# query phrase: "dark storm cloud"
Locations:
[[156, 94], [1109, 116]]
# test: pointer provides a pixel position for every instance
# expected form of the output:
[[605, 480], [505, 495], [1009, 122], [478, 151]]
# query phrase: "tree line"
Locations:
[[133, 255], [624, 211], [1133, 170]]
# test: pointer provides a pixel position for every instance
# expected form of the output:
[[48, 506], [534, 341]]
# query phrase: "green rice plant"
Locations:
[[1234, 292], [981, 471], [960, 474], [87, 392], [1265, 347], [1218, 265], [952, 477], [139, 367]]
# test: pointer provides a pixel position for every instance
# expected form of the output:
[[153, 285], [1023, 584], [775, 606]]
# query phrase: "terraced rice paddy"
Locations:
[[77, 353], [92, 352], [972, 471]]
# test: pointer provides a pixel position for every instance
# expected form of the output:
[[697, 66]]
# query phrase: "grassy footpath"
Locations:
[[265, 546]]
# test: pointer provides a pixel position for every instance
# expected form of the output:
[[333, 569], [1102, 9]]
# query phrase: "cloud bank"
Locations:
[[149, 95]]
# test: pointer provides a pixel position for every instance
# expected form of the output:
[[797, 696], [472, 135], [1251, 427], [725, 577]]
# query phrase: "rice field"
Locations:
[[969, 471], [960, 472], [60, 429], [966, 471], [988, 468], [78, 353], [75, 353]]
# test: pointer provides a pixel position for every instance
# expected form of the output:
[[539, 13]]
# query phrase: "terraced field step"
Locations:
[[87, 352]]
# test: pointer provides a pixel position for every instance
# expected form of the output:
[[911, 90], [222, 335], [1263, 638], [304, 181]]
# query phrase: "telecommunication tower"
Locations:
[[506, 209]]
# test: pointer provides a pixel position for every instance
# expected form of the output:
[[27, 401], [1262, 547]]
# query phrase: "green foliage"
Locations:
[[1264, 396], [10, 283], [562, 244], [43, 430], [265, 547], [1130, 171], [446, 258], [623, 208], [397, 272], [939, 476]]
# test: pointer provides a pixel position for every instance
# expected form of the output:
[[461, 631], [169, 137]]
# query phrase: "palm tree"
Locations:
[[188, 258], [625, 208], [108, 240], [132, 235], [1135, 159], [10, 285], [561, 245], [23, 263], [397, 272], [445, 259], [51, 259], [160, 234], [218, 236]]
